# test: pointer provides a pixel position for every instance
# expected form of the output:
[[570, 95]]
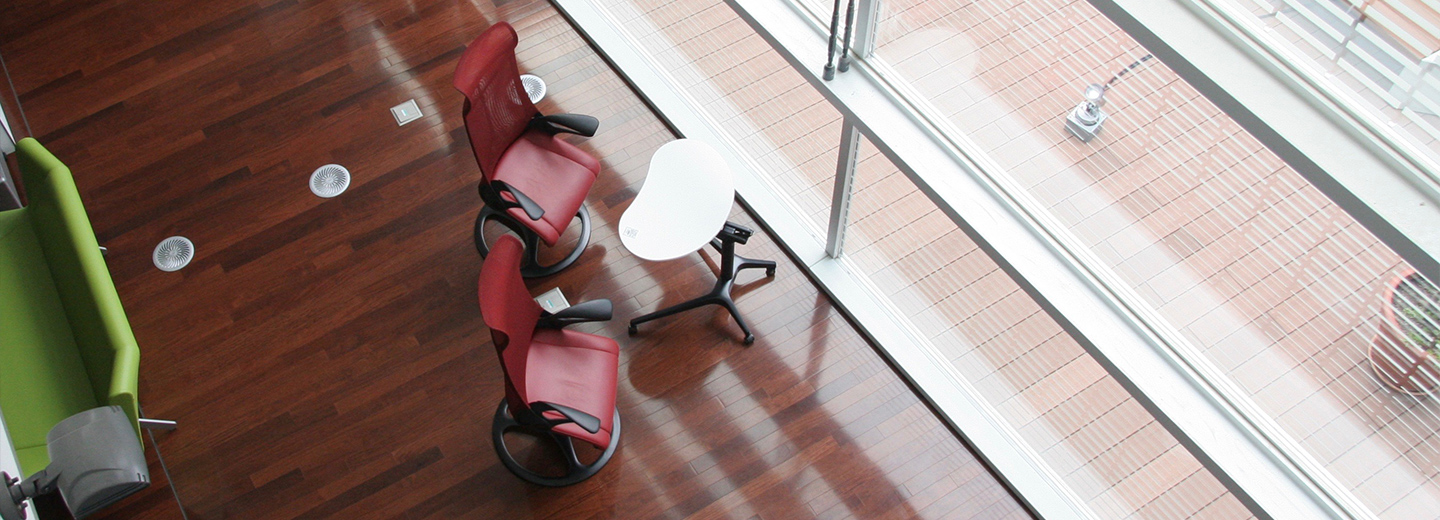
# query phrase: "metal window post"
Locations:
[[844, 182], [867, 21]]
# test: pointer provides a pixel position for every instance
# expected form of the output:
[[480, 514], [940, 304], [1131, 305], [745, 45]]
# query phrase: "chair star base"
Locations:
[[730, 265], [575, 472], [530, 265]]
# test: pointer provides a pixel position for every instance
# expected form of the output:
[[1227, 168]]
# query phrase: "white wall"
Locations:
[[7, 141]]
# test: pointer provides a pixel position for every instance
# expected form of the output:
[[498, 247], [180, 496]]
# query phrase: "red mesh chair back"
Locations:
[[497, 110], [510, 312]]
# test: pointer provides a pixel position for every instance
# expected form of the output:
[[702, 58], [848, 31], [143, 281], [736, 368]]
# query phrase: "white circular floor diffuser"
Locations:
[[534, 87], [173, 253], [329, 180]]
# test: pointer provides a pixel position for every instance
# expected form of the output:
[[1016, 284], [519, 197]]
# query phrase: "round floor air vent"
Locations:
[[534, 87], [329, 180], [173, 253]]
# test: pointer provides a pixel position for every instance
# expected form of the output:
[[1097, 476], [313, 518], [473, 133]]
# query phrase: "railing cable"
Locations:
[[830, 44], [835, 38]]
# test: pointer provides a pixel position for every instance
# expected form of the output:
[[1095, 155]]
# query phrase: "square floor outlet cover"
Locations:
[[553, 301], [405, 112]]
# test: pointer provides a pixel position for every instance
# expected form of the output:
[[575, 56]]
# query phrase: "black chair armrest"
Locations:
[[593, 310], [532, 210], [577, 124], [586, 421]]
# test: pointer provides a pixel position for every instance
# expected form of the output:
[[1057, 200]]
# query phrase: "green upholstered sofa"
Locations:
[[65, 345]]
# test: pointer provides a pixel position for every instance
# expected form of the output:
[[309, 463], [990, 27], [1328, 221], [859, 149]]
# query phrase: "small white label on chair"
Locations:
[[405, 112], [631, 232], [553, 301]]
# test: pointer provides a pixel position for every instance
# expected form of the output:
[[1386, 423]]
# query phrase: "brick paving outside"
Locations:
[[1074, 417], [1275, 284]]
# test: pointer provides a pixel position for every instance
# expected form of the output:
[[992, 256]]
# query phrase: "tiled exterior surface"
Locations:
[[1099, 439], [1276, 285], [1261, 274]]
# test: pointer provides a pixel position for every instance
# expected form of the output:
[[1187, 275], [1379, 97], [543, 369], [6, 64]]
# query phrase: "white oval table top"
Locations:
[[683, 204]]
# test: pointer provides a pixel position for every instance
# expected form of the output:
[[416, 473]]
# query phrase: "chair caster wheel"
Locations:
[[770, 272], [632, 330], [749, 339]]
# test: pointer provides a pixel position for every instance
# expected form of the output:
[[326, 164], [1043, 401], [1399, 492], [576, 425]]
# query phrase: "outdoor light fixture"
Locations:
[[95, 460], [1085, 119]]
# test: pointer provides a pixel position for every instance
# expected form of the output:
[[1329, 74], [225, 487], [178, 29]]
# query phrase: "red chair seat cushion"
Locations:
[[578, 370], [553, 173]]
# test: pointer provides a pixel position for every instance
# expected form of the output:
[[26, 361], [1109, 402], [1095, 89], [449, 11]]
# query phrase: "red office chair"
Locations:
[[531, 181], [559, 384]]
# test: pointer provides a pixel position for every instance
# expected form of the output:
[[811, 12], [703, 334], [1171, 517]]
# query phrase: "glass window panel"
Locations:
[[1096, 436], [1279, 288], [1089, 429], [1382, 52]]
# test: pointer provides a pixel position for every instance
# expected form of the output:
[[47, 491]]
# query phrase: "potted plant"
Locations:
[[1404, 355]]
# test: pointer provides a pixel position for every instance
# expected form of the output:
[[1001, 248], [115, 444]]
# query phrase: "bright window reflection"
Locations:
[[1111, 452], [1384, 52], [1277, 286], [1100, 440]]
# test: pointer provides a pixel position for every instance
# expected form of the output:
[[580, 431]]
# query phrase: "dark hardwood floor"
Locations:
[[326, 359]]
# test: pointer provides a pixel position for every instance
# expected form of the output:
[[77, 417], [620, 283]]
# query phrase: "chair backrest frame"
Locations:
[[497, 110], [511, 314]]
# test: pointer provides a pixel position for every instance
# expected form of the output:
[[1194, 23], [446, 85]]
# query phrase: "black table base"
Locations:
[[730, 265]]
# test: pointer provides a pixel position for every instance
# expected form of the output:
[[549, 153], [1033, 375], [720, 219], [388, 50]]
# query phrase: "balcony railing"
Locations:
[[1387, 48]]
